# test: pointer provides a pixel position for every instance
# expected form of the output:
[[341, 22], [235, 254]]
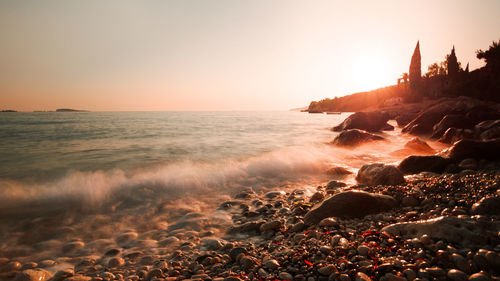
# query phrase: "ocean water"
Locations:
[[86, 158], [92, 176]]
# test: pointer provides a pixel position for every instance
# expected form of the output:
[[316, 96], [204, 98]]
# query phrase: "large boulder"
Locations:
[[368, 121], [475, 149], [424, 123], [419, 145], [486, 130], [453, 135], [458, 121], [464, 231], [417, 164], [379, 174], [487, 206], [350, 204], [355, 137]]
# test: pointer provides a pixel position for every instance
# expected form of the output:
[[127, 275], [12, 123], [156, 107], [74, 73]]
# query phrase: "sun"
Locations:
[[369, 72]]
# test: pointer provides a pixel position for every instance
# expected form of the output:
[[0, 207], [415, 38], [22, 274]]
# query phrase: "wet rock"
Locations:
[[154, 273], [329, 222], [457, 275], [248, 227], [360, 276], [347, 205], [369, 121], [34, 275], [248, 262], [285, 276], [417, 164], [274, 194], [72, 246], [234, 253], [317, 196], [410, 201], [11, 266], [78, 278], [272, 225], [63, 274], [126, 237], [475, 149], [327, 270], [481, 276], [344, 277], [458, 121], [211, 243], [363, 250], [489, 129], [418, 145], [338, 172], [116, 262], [487, 206], [355, 137], [297, 227], [379, 174], [271, 264], [463, 231], [468, 164]]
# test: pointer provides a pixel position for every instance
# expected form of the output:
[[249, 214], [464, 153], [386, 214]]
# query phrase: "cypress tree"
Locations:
[[415, 68]]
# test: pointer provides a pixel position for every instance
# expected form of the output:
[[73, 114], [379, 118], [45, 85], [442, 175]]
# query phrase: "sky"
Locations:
[[128, 55]]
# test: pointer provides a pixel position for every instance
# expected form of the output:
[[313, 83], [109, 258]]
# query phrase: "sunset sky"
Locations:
[[226, 54]]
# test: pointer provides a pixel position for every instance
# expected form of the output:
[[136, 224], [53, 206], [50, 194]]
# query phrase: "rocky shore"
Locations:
[[434, 216]]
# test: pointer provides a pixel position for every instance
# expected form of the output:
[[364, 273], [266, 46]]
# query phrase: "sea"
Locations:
[[92, 177], [88, 157]]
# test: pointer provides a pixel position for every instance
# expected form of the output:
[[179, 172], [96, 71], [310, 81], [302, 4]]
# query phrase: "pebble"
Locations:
[[329, 222], [363, 250], [272, 225], [116, 262], [344, 277], [38, 274], [457, 275], [327, 270], [272, 264], [481, 276], [360, 276], [285, 276]]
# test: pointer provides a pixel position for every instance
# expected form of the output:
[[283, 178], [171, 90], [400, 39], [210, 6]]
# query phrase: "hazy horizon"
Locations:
[[224, 55]]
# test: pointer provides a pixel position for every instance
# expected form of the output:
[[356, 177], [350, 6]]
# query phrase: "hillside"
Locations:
[[360, 101]]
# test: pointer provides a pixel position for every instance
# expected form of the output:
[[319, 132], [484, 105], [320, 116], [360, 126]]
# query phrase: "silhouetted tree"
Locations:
[[452, 64], [435, 70], [415, 68], [491, 56]]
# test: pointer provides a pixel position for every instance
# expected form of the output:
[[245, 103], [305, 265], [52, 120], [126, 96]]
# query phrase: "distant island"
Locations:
[[8, 110], [70, 110]]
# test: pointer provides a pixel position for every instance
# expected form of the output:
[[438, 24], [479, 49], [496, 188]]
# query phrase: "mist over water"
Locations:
[[93, 176], [90, 159]]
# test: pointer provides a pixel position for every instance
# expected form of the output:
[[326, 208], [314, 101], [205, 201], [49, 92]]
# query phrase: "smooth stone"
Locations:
[[116, 262], [329, 222], [38, 274], [481, 276], [271, 264], [347, 205], [327, 270], [72, 246], [355, 137], [457, 275], [416, 164], [487, 206], [360, 276], [211, 243], [285, 276], [379, 174], [363, 250], [272, 225], [344, 277], [297, 227], [274, 194], [373, 121]]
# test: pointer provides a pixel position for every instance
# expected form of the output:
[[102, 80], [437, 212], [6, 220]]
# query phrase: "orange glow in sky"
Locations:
[[223, 55]]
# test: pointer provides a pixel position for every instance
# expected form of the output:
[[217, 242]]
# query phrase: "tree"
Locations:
[[491, 56], [415, 68], [452, 64], [435, 70]]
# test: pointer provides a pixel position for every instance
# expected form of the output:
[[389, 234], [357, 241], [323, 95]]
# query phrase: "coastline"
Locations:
[[267, 234]]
